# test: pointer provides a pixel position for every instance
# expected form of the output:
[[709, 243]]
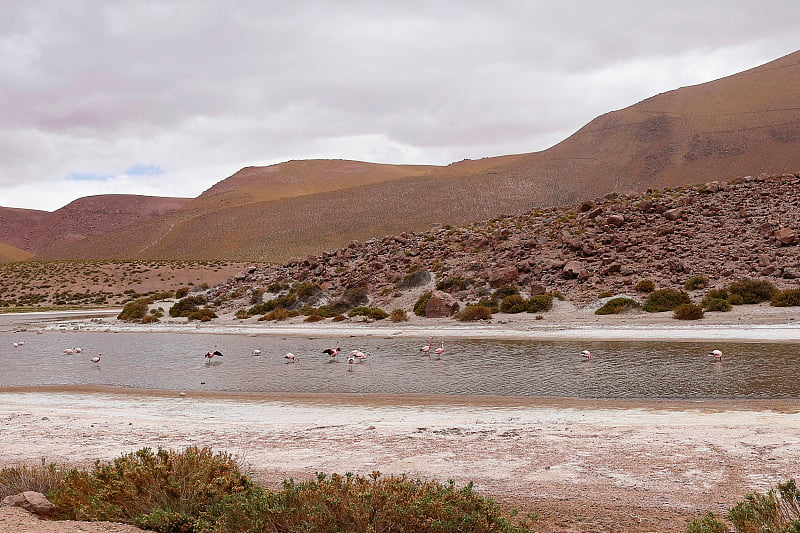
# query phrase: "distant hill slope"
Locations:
[[745, 124]]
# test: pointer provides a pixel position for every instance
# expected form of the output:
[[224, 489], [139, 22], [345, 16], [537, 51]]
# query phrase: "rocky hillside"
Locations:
[[745, 124], [745, 228]]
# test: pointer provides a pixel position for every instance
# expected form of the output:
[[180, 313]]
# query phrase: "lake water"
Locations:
[[169, 361]]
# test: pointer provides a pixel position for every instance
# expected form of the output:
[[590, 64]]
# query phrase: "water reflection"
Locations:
[[485, 367]]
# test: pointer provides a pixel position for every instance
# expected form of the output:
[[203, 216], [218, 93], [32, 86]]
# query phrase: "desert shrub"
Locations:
[[277, 314], [645, 285], [777, 511], [786, 298], [735, 299], [418, 278], [605, 294], [539, 303], [617, 305], [313, 318], [186, 306], [715, 304], [503, 291], [706, 524], [453, 283], [696, 282], [150, 319], [242, 314], [513, 304], [474, 312], [398, 315], [256, 295], [146, 487], [203, 315], [337, 503], [134, 311], [373, 313], [181, 292], [421, 304], [339, 318], [665, 300], [40, 478], [354, 297], [688, 312], [753, 291], [721, 294]]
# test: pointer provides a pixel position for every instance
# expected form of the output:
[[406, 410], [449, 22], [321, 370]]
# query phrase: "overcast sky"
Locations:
[[168, 97]]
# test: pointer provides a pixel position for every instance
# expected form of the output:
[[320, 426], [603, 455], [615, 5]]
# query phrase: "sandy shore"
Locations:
[[583, 465]]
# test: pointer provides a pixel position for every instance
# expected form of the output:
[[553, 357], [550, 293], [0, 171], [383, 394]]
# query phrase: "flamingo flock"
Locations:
[[426, 349]]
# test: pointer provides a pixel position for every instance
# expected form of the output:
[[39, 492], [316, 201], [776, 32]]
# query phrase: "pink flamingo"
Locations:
[[716, 354], [333, 352], [96, 359], [587, 354], [358, 354], [427, 347], [439, 350], [292, 358]]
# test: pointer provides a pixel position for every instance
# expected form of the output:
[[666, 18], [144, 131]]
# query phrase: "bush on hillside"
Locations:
[[453, 284], [616, 306], [186, 306], [503, 291], [715, 304], [513, 304], [665, 300], [474, 312], [421, 304], [645, 285], [135, 311], [688, 312], [696, 282], [786, 298], [753, 291], [373, 313], [539, 303], [398, 315]]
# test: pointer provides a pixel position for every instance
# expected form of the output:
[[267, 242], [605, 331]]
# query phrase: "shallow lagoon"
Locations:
[[632, 369]]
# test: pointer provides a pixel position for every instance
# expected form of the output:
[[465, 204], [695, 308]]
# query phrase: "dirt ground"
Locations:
[[582, 466]]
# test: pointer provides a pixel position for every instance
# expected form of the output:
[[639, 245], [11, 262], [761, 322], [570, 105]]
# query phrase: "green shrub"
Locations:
[[688, 312], [735, 299], [786, 298], [354, 503], [616, 306], [753, 291], [707, 524], [778, 511], [696, 282], [421, 304], [645, 285], [474, 312], [715, 304], [40, 478], [539, 303], [134, 311], [398, 315], [276, 314], [513, 304], [370, 312], [150, 319], [181, 292], [721, 294], [452, 284], [313, 318], [665, 300], [503, 291], [203, 315], [242, 314], [187, 306], [135, 486]]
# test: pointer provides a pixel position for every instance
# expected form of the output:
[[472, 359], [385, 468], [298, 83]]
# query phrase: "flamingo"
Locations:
[[427, 347], [69, 351], [256, 352], [358, 354], [717, 354], [210, 355], [439, 350], [18, 344], [587, 354], [333, 352], [96, 359], [292, 358], [77, 350]]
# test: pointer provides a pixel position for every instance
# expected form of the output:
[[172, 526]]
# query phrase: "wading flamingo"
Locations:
[[716, 354], [439, 350], [292, 358], [333, 352], [427, 347], [358, 354], [96, 359], [587, 354], [256, 352]]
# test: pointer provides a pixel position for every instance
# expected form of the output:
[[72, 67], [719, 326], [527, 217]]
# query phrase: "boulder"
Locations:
[[673, 214], [31, 501], [615, 220], [503, 276], [441, 305], [786, 236], [574, 269]]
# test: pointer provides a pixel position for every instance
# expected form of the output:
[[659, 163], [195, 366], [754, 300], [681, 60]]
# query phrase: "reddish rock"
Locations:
[[503, 276], [33, 502], [673, 214], [615, 220], [786, 236], [441, 305], [574, 270]]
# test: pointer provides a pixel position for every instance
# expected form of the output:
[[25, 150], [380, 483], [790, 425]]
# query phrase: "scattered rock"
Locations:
[[786, 236], [33, 502]]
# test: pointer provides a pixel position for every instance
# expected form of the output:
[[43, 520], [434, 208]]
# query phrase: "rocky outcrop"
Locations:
[[724, 231], [441, 305]]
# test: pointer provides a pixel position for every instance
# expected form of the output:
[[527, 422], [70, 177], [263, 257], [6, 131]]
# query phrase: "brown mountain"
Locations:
[[745, 124]]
